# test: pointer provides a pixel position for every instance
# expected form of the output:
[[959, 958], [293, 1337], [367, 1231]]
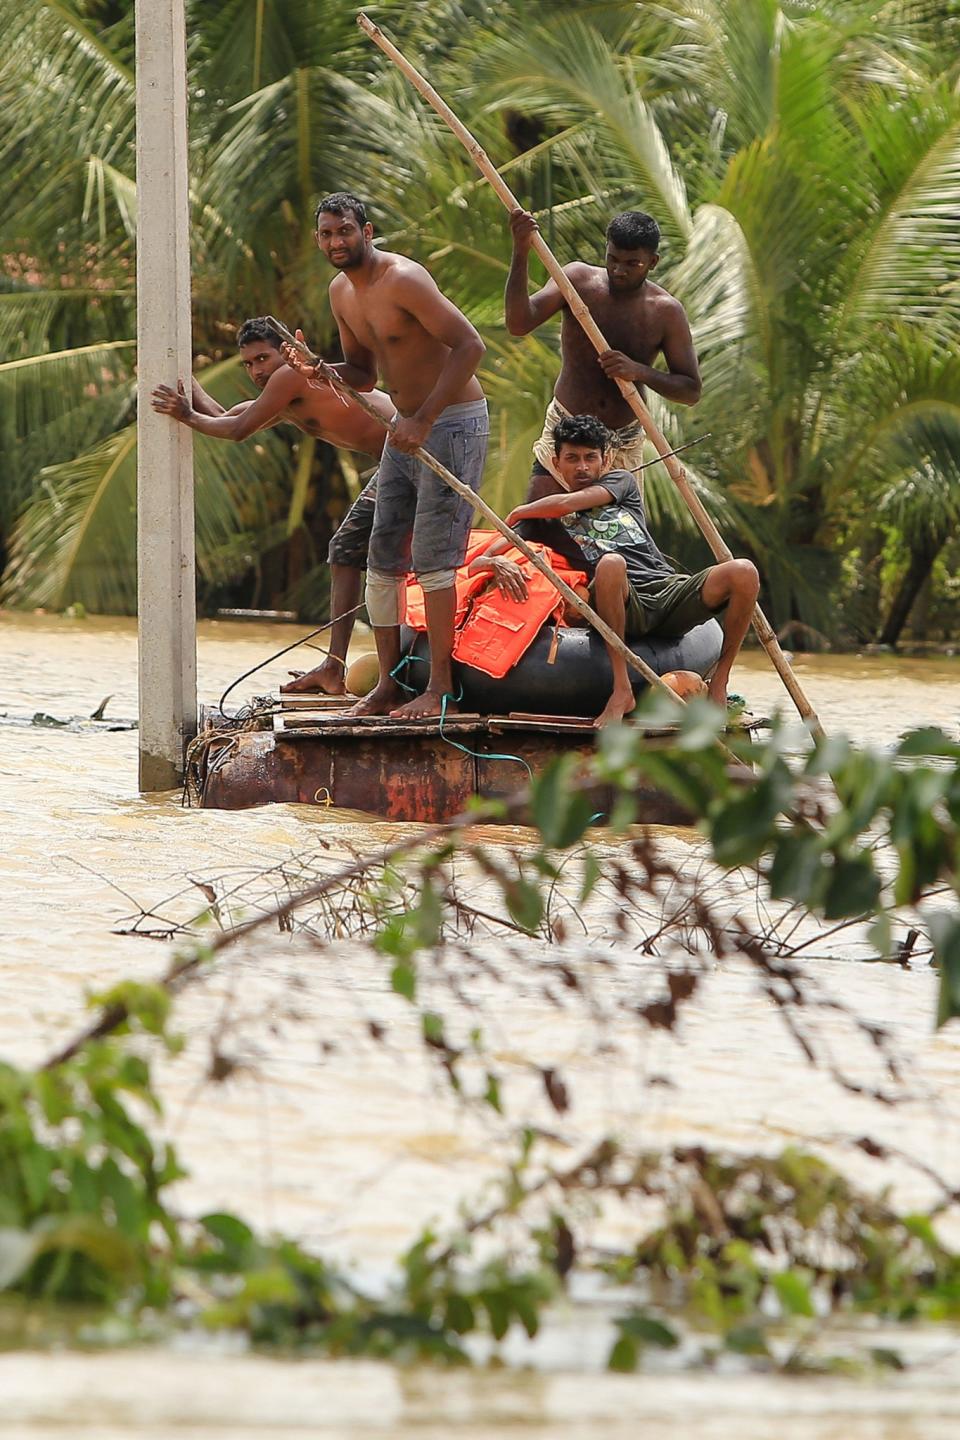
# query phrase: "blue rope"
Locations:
[[464, 749], [476, 754], [404, 660]]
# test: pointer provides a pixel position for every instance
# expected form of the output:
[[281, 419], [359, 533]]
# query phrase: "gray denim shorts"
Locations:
[[351, 541], [421, 524]]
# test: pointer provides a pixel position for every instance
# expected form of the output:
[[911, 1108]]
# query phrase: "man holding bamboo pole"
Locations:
[[393, 320], [634, 588], [639, 319]]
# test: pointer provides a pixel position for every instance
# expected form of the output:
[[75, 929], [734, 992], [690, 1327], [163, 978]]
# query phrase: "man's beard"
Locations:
[[348, 262]]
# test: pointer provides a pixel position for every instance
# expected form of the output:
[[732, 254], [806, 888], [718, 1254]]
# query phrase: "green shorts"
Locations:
[[668, 605]]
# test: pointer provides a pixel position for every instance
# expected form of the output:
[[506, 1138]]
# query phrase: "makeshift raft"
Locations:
[[309, 753], [417, 771]]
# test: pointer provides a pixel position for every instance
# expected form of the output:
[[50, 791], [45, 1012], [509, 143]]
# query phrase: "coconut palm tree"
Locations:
[[802, 159], [261, 107], [821, 231]]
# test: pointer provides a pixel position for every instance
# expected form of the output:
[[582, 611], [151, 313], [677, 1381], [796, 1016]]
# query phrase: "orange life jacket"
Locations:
[[494, 632], [466, 586]]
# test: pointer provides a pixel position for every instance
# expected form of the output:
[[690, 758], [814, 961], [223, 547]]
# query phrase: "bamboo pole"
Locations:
[[327, 373], [631, 394]]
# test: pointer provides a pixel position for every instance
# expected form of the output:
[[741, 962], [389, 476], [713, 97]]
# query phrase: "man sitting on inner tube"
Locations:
[[633, 587]]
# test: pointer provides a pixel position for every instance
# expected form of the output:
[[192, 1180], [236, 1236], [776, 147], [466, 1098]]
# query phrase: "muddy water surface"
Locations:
[[354, 1147]]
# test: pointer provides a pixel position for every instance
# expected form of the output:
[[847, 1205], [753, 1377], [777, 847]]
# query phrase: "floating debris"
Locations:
[[40, 720]]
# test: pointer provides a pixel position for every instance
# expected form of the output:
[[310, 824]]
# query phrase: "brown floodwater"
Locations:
[[355, 1146]]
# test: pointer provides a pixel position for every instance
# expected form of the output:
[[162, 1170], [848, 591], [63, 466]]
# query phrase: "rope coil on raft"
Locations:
[[212, 747], [198, 762]]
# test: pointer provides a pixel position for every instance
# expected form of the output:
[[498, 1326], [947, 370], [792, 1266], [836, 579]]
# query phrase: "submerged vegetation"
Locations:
[[752, 1254], [803, 159]]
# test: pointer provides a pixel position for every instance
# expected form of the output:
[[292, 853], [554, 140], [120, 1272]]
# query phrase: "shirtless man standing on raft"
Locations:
[[287, 395], [393, 320], [637, 317]]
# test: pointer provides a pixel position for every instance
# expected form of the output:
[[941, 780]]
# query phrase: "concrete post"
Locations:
[[165, 529]]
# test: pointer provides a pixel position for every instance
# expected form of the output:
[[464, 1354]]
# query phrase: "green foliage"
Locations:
[[638, 1330], [803, 161], [832, 858], [757, 1247], [560, 812], [442, 1290], [945, 934], [81, 1197]]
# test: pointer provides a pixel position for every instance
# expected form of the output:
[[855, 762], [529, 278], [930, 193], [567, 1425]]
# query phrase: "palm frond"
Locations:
[[724, 298], [904, 264], [245, 45], [58, 548], [923, 501], [35, 319], [75, 98], [76, 538], [42, 396], [566, 73]]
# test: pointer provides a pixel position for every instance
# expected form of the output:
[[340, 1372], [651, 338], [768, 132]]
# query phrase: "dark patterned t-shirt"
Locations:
[[619, 528]]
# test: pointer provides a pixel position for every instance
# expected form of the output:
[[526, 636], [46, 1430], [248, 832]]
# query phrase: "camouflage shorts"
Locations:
[[352, 540]]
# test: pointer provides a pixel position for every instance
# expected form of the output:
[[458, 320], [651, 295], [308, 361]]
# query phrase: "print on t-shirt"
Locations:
[[621, 528]]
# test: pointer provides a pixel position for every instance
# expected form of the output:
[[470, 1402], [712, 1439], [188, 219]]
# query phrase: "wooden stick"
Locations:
[[686, 446], [629, 391]]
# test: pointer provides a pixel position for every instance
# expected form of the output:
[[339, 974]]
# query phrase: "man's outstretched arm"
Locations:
[[203, 403], [175, 402], [244, 419], [552, 507]]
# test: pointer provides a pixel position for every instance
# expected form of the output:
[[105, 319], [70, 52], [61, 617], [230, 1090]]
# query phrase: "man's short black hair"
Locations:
[[341, 202], [259, 329], [634, 230], [581, 430]]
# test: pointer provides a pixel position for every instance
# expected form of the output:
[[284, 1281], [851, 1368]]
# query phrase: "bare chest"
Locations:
[[381, 325], [634, 325], [322, 413]]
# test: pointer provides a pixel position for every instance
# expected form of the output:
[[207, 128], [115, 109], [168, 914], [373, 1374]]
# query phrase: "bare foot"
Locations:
[[326, 679], [430, 703], [621, 702], [380, 701]]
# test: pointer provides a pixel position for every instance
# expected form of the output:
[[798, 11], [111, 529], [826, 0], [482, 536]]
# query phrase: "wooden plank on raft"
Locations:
[[578, 722], [318, 727], [318, 701], [297, 719], [391, 724]]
